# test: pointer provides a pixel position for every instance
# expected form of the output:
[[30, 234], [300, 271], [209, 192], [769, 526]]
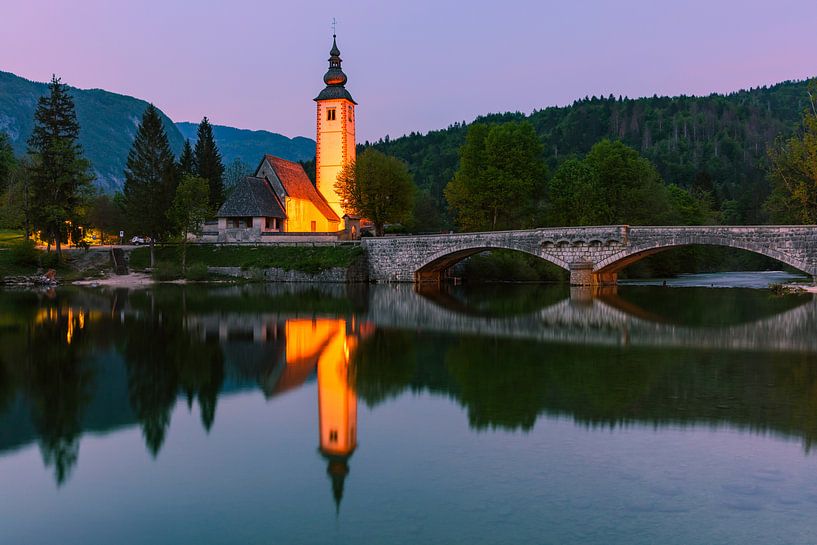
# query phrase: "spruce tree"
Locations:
[[59, 173], [150, 180], [187, 161], [7, 161], [208, 163]]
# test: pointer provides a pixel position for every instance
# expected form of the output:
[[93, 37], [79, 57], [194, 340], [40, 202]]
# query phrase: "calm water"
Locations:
[[334, 414]]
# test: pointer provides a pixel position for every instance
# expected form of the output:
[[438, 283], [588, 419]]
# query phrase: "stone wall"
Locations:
[[273, 274]]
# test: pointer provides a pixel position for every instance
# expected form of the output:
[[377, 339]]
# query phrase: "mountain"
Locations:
[[717, 142], [108, 123], [249, 146]]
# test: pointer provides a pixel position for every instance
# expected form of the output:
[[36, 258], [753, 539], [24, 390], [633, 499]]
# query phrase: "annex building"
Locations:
[[279, 197]]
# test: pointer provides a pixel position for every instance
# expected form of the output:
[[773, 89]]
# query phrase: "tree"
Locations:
[[630, 184], [236, 172], [190, 209], [15, 207], [208, 163], [105, 215], [59, 174], [574, 196], [377, 187], [793, 171], [7, 161], [150, 180], [187, 161], [500, 177]]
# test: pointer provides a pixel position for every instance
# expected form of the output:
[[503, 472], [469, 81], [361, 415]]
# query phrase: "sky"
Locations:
[[415, 65]]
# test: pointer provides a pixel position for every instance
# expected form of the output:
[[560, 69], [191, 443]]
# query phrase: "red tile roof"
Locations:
[[298, 185]]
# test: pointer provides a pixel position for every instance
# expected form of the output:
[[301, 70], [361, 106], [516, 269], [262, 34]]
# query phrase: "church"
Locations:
[[280, 198]]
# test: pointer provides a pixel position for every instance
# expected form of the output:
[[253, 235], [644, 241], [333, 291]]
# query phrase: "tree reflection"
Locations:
[[176, 345], [58, 383]]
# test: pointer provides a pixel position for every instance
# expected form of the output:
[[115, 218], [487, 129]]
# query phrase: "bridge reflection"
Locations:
[[96, 361]]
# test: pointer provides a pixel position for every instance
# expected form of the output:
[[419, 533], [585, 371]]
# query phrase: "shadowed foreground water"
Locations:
[[335, 414]]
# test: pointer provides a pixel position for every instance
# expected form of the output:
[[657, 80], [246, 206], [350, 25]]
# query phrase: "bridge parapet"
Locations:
[[593, 255]]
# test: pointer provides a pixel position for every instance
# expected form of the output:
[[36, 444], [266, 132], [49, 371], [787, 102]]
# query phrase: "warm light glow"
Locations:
[[337, 402], [335, 148], [76, 319]]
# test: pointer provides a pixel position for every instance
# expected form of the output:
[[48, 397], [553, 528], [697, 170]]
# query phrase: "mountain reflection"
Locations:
[[77, 361]]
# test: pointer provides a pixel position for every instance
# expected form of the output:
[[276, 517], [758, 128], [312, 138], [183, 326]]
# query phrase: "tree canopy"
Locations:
[[208, 163], [60, 175], [500, 176], [150, 180], [190, 209], [7, 161], [187, 160], [377, 187], [793, 171]]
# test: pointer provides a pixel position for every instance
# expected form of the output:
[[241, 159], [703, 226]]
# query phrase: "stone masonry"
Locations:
[[593, 255]]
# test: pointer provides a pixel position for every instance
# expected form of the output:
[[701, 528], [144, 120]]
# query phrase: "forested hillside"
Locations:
[[107, 123], [717, 143]]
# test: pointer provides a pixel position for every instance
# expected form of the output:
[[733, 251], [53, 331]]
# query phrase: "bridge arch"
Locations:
[[434, 266], [632, 254]]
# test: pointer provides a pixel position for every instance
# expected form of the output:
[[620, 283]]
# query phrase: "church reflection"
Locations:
[[89, 362], [285, 355]]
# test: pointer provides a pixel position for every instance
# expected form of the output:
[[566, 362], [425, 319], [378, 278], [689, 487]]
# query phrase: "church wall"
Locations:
[[301, 214]]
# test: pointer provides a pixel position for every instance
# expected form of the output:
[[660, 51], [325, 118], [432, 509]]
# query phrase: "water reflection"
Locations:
[[76, 361]]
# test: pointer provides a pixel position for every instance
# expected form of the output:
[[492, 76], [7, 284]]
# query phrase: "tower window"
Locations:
[[330, 114], [333, 436]]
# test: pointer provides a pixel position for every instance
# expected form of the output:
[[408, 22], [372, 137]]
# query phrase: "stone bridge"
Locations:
[[593, 255]]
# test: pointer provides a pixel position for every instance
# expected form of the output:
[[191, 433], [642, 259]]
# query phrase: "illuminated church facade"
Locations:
[[279, 197]]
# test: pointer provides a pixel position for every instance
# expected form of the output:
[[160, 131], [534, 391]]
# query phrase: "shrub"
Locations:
[[197, 271], [24, 253], [49, 260], [167, 270]]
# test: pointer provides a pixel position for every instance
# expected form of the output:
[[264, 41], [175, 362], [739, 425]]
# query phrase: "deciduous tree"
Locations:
[[377, 187], [191, 208], [793, 171], [500, 177], [105, 215]]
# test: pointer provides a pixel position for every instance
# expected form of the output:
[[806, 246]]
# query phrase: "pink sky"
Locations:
[[413, 66]]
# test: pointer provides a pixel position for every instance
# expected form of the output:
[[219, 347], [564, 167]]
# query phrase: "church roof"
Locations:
[[298, 185], [335, 91], [252, 197]]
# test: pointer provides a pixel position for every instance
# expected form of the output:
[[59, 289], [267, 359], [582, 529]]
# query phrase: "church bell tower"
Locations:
[[336, 130]]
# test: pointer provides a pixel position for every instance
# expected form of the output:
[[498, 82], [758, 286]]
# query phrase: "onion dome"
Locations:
[[334, 78]]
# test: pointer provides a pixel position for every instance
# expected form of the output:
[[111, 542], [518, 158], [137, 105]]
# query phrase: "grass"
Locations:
[[307, 259], [10, 237], [15, 261]]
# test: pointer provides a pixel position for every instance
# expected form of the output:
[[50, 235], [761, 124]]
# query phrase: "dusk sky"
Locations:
[[412, 66]]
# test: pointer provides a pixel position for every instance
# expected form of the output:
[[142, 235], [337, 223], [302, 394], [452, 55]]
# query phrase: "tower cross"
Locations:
[[334, 23]]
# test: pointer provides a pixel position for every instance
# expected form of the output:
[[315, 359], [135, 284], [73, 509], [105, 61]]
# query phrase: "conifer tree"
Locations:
[[187, 161], [7, 161], [208, 163], [59, 173], [150, 180]]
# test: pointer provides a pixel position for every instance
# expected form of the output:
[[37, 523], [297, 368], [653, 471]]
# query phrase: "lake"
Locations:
[[300, 413]]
